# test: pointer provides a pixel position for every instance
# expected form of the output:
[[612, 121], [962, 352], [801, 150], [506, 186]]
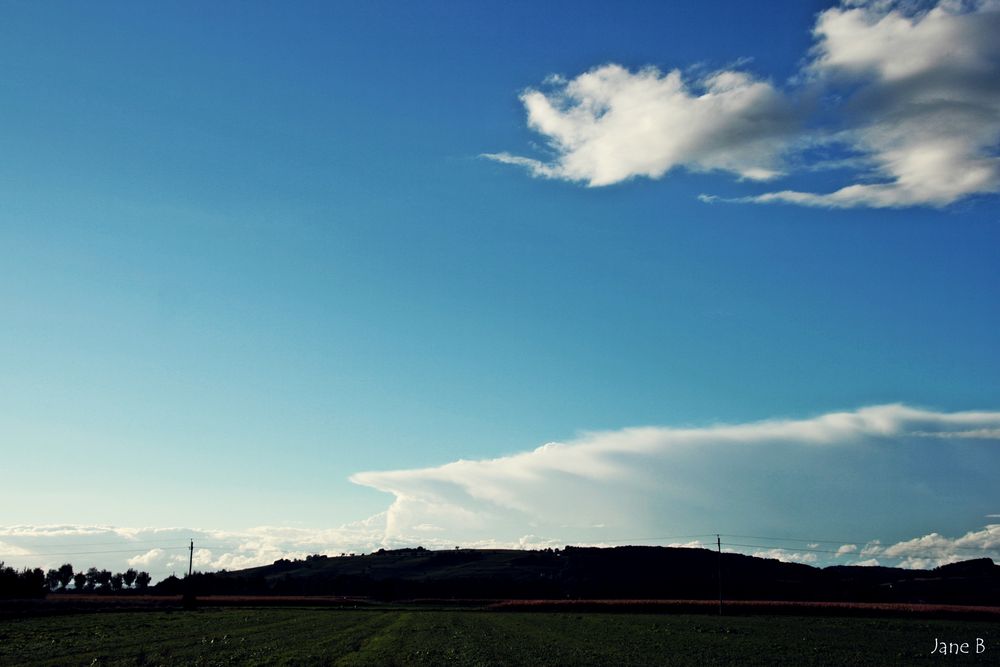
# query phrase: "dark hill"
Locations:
[[598, 573]]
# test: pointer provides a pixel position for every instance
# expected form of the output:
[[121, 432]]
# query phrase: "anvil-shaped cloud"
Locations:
[[889, 470], [889, 484]]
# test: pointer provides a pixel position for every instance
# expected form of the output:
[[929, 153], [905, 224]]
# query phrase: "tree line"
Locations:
[[37, 582]]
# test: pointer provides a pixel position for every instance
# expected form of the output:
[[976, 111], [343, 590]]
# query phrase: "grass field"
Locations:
[[297, 636]]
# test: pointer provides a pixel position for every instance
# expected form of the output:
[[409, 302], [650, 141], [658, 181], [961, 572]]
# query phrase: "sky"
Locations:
[[330, 277]]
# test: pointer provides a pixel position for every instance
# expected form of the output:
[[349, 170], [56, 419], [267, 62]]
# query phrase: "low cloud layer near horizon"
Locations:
[[878, 472], [908, 96], [887, 484]]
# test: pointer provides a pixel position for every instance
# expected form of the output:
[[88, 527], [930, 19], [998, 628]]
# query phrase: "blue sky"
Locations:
[[250, 251]]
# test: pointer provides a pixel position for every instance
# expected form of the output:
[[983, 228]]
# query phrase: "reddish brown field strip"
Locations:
[[63, 604], [799, 608]]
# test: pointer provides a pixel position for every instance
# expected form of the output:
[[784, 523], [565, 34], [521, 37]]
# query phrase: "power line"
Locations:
[[655, 539], [777, 548], [91, 544], [794, 539], [46, 554], [83, 553]]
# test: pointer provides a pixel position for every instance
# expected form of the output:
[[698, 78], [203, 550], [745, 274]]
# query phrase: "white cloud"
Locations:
[[912, 95], [898, 41], [147, 560], [609, 124], [925, 101], [933, 550], [787, 555], [868, 562], [649, 481], [860, 472], [872, 548], [162, 551]]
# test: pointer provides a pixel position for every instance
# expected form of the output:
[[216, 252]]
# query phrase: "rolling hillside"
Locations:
[[598, 573]]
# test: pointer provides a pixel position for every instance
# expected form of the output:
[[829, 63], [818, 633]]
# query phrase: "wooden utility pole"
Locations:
[[718, 545], [188, 600]]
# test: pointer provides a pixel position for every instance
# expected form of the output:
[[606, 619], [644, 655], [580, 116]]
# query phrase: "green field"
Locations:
[[255, 636]]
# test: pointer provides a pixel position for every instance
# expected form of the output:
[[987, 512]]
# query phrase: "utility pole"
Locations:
[[188, 600], [718, 545]]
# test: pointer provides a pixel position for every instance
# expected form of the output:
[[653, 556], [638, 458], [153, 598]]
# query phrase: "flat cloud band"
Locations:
[[876, 473]]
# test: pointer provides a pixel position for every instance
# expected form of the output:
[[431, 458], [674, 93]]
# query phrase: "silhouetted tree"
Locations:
[[52, 579], [79, 581], [142, 580], [8, 581], [65, 575], [116, 582], [24, 584], [34, 582], [104, 579], [129, 577], [92, 576]]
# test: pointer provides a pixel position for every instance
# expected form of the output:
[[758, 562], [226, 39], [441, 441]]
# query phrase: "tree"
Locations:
[[10, 583], [129, 577], [92, 576], [33, 582], [52, 579], [104, 579], [79, 581], [142, 580], [116, 582], [65, 575], [24, 584]]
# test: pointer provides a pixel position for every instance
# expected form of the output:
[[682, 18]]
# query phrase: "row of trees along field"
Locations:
[[37, 582]]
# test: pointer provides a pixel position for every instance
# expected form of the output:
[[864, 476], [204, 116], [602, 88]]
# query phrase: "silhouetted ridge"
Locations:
[[628, 572]]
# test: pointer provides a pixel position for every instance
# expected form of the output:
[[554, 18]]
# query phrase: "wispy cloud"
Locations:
[[911, 94]]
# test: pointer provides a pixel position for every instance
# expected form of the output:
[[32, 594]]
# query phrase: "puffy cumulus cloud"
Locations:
[[934, 549], [788, 555], [911, 95], [147, 560], [924, 104], [868, 562], [610, 124], [844, 471]]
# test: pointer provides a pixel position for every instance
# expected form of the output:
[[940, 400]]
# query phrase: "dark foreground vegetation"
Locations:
[[593, 573], [249, 636]]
